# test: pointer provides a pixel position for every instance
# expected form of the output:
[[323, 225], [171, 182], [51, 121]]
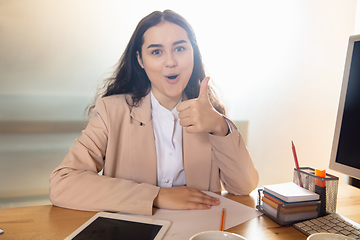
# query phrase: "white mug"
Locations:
[[216, 235]]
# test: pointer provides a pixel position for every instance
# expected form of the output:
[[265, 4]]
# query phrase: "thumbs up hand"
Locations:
[[198, 115]]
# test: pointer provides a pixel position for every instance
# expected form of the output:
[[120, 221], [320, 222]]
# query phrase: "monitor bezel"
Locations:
[[340, 167]]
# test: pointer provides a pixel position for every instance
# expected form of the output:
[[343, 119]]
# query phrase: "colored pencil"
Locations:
[[222, 220], [296, 162]]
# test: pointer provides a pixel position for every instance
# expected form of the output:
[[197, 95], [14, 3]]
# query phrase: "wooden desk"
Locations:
[[49, 222]]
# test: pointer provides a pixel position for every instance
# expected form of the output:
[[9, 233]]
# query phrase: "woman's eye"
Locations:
[[179, 49], [156, 52]]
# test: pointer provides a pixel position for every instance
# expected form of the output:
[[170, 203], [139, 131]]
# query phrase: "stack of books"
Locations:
[[295, 203]]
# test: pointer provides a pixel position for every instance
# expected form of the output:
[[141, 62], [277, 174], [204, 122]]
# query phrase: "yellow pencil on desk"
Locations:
[[222, 220]]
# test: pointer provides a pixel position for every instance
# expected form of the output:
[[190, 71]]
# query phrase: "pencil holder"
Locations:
[[326, 187]]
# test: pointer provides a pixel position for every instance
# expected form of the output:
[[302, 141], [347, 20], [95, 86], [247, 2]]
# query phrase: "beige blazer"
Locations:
[[120, 140]]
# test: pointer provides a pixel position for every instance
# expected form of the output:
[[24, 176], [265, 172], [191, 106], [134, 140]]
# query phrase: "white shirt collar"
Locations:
[[157, 108]]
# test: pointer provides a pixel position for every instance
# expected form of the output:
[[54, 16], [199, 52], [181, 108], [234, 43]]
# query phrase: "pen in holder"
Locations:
[[326, 186]]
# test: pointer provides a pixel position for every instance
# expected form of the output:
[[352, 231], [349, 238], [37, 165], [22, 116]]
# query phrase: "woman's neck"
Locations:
[[168, 103]]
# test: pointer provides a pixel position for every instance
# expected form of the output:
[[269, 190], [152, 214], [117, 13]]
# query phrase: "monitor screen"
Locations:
[[345, 155]]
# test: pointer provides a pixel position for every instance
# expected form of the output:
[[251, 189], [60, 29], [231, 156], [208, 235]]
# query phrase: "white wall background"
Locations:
[[278, 64]]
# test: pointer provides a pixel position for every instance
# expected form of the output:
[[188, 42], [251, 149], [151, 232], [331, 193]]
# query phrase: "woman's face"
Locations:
[[168, 60]]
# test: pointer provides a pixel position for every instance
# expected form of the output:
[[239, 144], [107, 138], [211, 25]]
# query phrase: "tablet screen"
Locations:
[[116, 226], [107, 228]]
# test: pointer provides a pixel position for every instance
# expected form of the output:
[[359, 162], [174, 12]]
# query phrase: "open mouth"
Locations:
[[172, 77]]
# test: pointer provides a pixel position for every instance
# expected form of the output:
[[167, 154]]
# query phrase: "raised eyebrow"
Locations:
[[155, 46], [179, 42], [160, 45]]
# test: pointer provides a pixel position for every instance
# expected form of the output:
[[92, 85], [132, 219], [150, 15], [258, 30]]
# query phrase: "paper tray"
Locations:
[[283, 218]]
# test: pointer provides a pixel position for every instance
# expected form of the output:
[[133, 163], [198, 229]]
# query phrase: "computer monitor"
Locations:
[[345, 154]]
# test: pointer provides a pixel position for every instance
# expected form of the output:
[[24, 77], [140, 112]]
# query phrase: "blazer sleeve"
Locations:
[[237, 171], [76, 183]]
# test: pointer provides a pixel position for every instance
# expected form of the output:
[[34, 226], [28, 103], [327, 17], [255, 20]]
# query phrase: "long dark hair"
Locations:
[[130, 77]]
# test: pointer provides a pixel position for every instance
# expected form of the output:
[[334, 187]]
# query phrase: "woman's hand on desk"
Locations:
[[182, 198]]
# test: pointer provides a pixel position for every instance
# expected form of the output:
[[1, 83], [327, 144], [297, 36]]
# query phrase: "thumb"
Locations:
[[203, 87]]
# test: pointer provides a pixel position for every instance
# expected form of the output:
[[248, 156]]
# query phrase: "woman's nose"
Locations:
[[171, 60]]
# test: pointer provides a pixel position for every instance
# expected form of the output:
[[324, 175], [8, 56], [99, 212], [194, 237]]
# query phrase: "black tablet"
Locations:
[[110, 226]]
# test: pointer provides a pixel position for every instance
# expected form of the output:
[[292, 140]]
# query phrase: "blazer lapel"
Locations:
[[142, 144], [197, 160]]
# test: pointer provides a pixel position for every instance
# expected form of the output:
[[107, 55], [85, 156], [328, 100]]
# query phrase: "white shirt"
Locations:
[[168, 144]]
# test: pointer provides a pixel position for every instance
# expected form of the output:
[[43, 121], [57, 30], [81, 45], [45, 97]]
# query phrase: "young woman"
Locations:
[[157, 132]]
